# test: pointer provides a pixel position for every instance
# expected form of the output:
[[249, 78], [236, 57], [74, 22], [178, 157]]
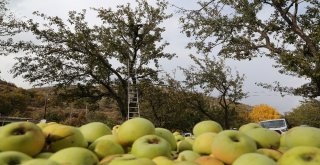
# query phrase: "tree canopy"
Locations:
[[263, 112], [9, 26], [308, 113], [287, 31], [74, 52], [214, 77]]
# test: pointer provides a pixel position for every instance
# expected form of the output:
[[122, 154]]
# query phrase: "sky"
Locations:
[[255, 71]]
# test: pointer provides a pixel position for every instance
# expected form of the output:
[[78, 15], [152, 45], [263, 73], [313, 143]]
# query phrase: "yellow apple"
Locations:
[[208, 160], [108, 137], [249, 126], [104, 147], [271, 153], [206, 126], [22, 136], [75, 156], [183, 145], [301, 155], [60, 136], [94, 130], [13, 157], [203, 143], [150, 146], [106, 160], [166, 134], [187, 155], [44, 155], [178, 137], [264, 137], [132, 129], [163, 160], [228, 145], [39, 161], [254, 158], [301, 136], [186, 163], [131, 161]]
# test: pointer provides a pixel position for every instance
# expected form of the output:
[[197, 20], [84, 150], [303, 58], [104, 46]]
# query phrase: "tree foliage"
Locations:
[[263, 112], [212, 75], [308, 113], [168, 106], [9, 26], [95, 59], [287, 31]]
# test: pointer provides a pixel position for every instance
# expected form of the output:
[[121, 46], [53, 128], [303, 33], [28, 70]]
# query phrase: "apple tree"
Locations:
[[168, 105], [215, 78], [286, 31], [94, 59], [263, 112], [9, 26]]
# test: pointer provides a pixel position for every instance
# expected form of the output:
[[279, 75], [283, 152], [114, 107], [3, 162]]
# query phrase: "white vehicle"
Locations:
[[279, 125]]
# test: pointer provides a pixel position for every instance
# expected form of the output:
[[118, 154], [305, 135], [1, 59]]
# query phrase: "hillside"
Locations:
[[166, 107]]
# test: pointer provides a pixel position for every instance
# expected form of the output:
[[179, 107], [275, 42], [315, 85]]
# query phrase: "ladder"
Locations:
[[133, 98]]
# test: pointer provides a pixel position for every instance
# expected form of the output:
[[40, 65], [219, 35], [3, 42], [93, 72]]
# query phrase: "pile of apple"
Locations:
[[138, 142]]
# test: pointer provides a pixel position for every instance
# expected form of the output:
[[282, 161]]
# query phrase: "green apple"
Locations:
[[115, 129], [301, 155], [176, 133], [130, 161], [132, 129], [151, 146], [108, 137], [39, 161], [190, 139], [254, 158], [75, 156], [106, 160], [228, 145], [13, 157], [178, 137], [249, 126], [208, 160], [301, 136], [22, 136], [187, 155], [168, 135], [137, 161], [60, 136], [186, 163], [183, 145], [264, 137], [203, 143], [42, 124], [271, 153], [44, 155], [206, 126], [105, 147], [94, 130], [163, 160]]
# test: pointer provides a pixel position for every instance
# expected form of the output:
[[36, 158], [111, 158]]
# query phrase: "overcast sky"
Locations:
[[256, 70]]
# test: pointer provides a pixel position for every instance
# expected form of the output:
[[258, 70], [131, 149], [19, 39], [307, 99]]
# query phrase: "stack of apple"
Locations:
[[138, 142]]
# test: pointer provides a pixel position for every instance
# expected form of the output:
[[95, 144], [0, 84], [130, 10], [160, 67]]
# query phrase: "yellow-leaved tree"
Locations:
[[263, 112]]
